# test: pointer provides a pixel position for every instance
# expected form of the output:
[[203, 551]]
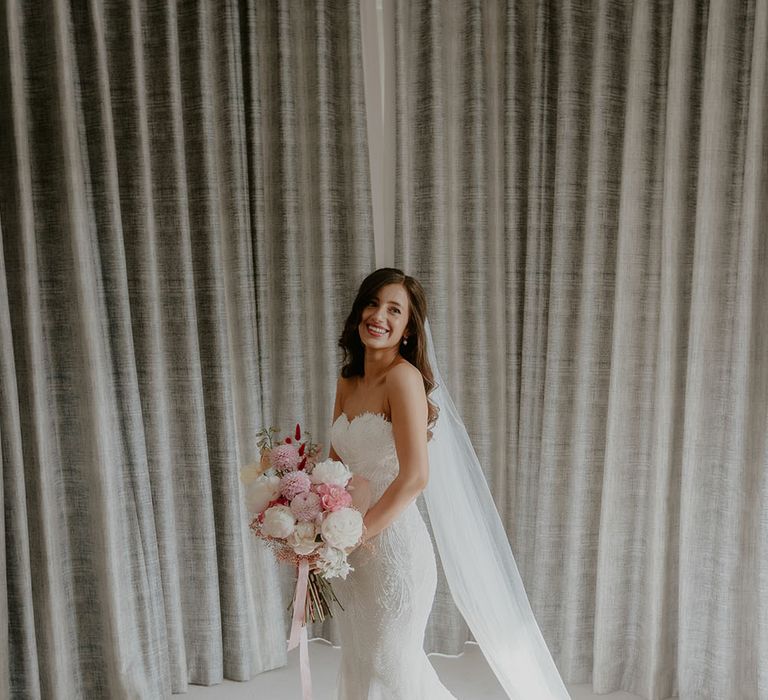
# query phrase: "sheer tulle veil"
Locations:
[[478, 561]]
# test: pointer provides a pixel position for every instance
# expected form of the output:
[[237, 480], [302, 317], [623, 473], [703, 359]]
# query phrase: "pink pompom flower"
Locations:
[[285, 457], [306, 506], [294, 483], [334, 497]]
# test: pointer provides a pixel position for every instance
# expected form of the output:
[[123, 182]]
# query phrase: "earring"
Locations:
[[405, 341]]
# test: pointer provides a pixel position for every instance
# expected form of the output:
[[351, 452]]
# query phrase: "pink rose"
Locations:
[[334, 497]]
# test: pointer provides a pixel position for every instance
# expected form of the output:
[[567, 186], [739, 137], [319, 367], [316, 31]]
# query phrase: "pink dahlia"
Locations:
[[285, 457], [306, 506], [294, 483], [334, 497]]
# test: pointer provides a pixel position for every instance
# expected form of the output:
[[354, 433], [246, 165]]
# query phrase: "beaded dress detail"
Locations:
[[387, 599]]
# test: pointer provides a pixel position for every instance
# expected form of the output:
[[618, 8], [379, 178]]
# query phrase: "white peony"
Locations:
[[303, 538], [333, 562], [342, 528], [331, 471], [278, 522], [263, 490]]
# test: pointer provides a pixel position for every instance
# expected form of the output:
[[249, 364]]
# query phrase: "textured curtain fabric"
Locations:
[[582, 188], [185, 212]]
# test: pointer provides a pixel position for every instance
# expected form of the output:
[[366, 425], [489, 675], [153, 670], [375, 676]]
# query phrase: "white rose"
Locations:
[[261, 492], [303, 538], [330, 471], [333, 562], [278, 522], [342, 528]]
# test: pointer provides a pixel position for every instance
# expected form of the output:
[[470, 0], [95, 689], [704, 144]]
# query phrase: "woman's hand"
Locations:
[[363, 539], [360, 490]]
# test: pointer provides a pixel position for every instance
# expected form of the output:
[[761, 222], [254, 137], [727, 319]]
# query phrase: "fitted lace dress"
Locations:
[[388, 597]]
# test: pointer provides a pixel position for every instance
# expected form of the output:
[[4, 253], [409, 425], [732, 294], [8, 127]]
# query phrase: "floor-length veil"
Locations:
[[478, 561]]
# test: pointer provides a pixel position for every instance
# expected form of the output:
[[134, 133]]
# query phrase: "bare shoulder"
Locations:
[[343, 385], [404, 373], [404, 380]]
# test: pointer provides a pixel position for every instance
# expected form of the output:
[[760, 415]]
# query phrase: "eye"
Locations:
[[395, 309]]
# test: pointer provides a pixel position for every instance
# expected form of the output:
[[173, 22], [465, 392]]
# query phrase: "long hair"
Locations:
[[416, 349]]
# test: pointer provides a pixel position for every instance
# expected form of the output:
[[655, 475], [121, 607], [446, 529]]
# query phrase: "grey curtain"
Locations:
[[582, 187], [185, 212]]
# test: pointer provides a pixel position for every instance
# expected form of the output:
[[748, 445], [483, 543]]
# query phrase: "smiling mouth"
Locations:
[[376, 331]]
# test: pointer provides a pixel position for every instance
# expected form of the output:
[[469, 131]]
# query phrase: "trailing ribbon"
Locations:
[[299, 629]]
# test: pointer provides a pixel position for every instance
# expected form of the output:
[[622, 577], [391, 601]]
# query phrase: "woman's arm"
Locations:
[[408, 403], [336, 413]]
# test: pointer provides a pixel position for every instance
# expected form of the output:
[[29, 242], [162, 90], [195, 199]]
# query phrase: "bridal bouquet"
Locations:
[[302, 508]]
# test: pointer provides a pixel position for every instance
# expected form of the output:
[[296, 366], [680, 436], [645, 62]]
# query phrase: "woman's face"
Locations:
[[385, 318]]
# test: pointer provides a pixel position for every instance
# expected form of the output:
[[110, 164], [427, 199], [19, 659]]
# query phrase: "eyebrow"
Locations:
[[391, 302]]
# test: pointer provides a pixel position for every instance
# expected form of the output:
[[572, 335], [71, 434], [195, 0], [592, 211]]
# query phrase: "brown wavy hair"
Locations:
[[416, 349]]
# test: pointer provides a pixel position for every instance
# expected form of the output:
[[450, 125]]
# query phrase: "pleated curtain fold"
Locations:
[[582, 189], [185, 212]]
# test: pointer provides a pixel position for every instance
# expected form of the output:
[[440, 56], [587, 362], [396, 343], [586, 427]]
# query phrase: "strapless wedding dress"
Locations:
[[388, 597]]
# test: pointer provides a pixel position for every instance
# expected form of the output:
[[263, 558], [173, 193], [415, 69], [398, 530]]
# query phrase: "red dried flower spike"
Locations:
[[288, 440], [301, 449], [303, 463], [298, 432]]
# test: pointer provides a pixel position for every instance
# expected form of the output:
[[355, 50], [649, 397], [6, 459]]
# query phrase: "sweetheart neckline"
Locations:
[[365, 413]]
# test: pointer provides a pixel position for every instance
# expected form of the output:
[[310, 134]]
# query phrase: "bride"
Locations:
[[397, 429]]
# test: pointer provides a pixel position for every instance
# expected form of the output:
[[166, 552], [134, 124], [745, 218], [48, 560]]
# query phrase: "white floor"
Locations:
[[467, 676]]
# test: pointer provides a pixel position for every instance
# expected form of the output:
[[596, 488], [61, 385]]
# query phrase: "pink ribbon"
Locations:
[[299, 629]]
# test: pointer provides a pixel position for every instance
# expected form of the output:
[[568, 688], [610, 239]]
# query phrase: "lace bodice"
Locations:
[[367, 446]]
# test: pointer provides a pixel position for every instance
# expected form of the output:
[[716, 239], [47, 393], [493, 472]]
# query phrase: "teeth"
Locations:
[[376, 331]]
